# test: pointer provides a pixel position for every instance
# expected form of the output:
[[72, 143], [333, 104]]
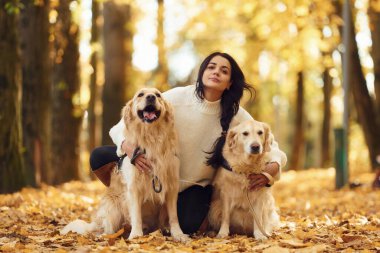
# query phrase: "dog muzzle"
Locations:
[[149, 114]]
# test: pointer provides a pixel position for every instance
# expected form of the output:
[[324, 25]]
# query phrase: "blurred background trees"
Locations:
[[67, 68]]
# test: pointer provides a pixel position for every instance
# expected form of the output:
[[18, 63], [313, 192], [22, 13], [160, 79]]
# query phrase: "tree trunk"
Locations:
[[374, 17], [162, 72], [375, 53], [94, 126], [326, 124], [12, 174], [297, 157], [36, 69], [364, 103], [362, 99], [118, 37], [67, 114]]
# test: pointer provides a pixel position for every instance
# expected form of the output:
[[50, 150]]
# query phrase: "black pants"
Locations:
[[193, 203]]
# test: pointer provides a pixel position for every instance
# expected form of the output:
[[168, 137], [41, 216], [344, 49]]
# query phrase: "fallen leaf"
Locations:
[[83, 240], [340, 221], [276, 249], [115, 235], [293, 243], [350, 238], [121, 243], [313, 249], [9, 247]]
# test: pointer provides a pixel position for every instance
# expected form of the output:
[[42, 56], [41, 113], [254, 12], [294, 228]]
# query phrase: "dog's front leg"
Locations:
[[175, 229], [134, 207], [258, 211], [226, 213]]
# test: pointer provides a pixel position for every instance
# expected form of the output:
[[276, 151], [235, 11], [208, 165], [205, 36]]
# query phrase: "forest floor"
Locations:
[[315, 217]]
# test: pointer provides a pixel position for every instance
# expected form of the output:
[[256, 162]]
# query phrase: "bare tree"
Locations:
[[375, 52], [118, 35], [161, 73], [36, 69], [12, 174], [296, 160], [364, 103], [94, 124], [67, 114], [326, 123]]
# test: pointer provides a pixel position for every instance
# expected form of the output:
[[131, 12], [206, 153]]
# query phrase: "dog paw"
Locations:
[[221, 235], [134, 235], [181, 238], [260, 236]]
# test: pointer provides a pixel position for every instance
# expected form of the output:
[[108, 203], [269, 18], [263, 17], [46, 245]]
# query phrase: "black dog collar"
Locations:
[[120, 162], [226, 165]]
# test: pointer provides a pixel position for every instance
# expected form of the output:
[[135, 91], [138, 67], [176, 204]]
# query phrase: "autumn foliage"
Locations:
[[315, 217]]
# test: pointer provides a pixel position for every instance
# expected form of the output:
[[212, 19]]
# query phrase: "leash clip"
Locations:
[[157, 186]]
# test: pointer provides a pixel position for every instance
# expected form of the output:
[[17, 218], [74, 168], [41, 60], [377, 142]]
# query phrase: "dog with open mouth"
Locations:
[[134, 198], [234, 208]]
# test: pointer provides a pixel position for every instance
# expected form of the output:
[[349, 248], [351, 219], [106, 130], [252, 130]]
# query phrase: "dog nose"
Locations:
[[150, 98], [255, 148]]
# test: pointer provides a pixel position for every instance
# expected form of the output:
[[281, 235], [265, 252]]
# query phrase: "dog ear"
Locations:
[[267, 138], [231, 139], [168, 117], [126, 113]]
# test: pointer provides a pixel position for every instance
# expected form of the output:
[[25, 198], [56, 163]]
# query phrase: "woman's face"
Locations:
[[217, 75]]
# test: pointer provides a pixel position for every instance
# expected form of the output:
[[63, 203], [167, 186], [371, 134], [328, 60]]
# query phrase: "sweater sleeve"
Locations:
[[278, 156], [117, 135], [275, 155]]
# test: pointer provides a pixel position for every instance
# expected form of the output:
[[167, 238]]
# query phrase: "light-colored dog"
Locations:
[[232, 207], [134, 196]]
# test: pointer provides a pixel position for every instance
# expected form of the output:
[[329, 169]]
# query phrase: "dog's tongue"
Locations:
[[149, 115]]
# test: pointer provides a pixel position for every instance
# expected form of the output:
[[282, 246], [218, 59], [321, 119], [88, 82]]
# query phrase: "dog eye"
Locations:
[[245, 133], [158, 95], [260, 132], [140, 95]]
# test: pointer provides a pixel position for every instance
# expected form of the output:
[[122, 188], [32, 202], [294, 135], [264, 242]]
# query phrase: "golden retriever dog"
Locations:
[[234, 207], [136, 198]]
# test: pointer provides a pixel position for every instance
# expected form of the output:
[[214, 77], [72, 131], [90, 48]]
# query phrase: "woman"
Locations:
[[203, 113]]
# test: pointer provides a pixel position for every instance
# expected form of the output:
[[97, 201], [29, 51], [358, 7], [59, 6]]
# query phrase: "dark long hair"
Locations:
[[229, 102]]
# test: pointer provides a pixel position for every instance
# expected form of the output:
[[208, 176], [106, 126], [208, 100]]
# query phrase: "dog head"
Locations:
[[147, 105], [250, 137]]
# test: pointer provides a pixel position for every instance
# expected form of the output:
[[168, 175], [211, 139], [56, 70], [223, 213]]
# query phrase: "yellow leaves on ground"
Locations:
[[315, 218]]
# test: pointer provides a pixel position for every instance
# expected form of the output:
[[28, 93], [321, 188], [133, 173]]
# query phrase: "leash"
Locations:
[[255, 216], [156, 183]]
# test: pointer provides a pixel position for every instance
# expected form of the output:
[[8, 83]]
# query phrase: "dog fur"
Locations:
[[246, 150], [131, 199]]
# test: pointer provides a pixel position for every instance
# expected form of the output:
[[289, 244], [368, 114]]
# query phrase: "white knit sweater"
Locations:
[[198, 126]]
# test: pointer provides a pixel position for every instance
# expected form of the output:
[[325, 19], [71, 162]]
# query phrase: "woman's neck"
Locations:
[[211, 95]]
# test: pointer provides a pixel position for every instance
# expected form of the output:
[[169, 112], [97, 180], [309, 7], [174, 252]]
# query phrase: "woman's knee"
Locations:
[[102, 155]]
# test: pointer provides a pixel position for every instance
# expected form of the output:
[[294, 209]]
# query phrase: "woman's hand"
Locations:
[[257, 181], [141, 163]]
